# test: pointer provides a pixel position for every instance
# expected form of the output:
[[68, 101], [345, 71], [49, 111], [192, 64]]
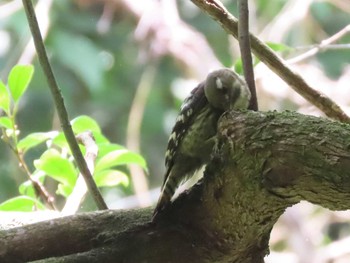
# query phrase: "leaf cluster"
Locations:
[[56, 161]]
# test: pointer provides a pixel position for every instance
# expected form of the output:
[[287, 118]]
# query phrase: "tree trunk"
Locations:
[[262, 164]]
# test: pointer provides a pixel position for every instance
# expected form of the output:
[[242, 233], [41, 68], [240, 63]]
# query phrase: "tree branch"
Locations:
[[264, 163], [59, 102], [244, 45], [325, 44], [229, 23], [78, 194]]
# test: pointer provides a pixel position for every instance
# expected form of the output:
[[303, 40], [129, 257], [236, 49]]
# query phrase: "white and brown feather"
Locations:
[[189, 109], [192, 139]]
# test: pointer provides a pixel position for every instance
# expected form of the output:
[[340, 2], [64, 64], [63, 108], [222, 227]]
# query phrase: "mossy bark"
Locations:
[[262, 164]]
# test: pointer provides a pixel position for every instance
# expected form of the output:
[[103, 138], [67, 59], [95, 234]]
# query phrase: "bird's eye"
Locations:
[[224, 89]]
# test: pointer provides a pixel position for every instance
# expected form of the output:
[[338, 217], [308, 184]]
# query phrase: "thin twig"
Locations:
[[39, 189], [229, 23], [59, 102], [77, 196], [244, 45], [323, 45], [325, 48]]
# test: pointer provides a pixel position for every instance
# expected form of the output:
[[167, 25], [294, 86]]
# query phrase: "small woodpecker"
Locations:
[[193, 136]]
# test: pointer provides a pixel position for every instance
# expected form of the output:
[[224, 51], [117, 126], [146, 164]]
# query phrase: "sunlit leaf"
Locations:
[[85, 123], [120, 157], [4, 98], [64, 190], [100, 138], [21, 203], [60, 141], [34, 139], [6, 122], [238, 66], [105, 148], [26, 188], [111, 178], [57, 167], [19, 79]]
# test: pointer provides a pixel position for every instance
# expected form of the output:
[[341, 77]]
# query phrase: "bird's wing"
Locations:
[[190, 108]]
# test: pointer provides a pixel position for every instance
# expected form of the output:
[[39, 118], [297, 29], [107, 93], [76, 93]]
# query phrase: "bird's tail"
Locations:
[[164, 198]]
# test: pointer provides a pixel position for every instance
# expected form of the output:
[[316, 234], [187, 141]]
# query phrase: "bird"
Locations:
[[193, 136]]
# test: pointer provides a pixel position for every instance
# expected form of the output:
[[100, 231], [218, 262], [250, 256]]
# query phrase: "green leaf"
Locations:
[[64, 190], [57, 167], [79, 125], [4, 98], [26, 188], [85, 123], [100, 138], [19, 79], [238, 66], [120, 157], [60, 141], [278, 46], [6, 122], [105, 148], [111, 178], [21, 203], [34, 139]]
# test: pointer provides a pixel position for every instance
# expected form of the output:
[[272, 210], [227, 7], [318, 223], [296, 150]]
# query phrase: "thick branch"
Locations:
[[263, 163], [304, 157]]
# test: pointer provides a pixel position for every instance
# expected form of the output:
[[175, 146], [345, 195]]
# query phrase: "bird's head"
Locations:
[[225, 90]]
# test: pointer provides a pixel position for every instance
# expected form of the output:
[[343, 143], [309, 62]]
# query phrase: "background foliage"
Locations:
[[129, 64]]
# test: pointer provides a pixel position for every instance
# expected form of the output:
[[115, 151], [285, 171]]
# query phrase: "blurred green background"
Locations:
[[129, 64]]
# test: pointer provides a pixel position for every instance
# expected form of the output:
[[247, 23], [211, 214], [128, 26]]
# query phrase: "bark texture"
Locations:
[[262, 164]]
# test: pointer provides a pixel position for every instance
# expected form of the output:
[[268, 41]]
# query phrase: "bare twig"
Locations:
[[244, 45], [39, 189], [59, 102], [218, 12], [323, 45], [328, 47], [80, 189]]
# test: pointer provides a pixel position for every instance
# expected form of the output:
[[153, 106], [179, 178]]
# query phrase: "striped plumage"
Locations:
[[193, 136]]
